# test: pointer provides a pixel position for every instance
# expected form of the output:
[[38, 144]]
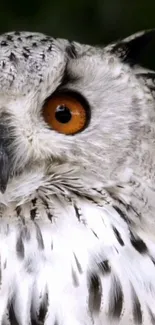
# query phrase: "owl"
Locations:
[[77, 182]]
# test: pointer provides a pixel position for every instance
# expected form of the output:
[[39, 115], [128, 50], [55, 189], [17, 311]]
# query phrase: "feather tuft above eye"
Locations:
[[130, 49]]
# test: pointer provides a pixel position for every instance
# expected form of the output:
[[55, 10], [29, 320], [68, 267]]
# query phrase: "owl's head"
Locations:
[[73, 109]]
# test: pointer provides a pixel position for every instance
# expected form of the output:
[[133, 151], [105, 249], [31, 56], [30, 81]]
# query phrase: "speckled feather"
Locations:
[[77, 227]]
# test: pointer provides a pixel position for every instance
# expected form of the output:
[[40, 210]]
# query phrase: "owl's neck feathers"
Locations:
[[56, 180], [65, 181]]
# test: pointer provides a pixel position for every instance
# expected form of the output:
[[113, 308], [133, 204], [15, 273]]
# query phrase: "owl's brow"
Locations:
[[71, 51], [68, 77]]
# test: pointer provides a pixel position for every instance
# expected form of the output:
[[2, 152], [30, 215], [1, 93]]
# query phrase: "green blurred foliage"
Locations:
[[87, 21]]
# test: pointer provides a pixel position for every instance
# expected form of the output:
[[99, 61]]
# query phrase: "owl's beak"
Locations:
[[4, 168], [5, 150]]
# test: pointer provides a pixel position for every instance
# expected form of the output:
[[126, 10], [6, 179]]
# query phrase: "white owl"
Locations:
[[77, 181]]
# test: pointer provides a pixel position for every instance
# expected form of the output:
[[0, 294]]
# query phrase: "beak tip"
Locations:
[[3, 188], [4, 170]]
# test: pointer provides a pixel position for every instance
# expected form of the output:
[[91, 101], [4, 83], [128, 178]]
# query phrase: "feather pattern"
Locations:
[[75, 267]]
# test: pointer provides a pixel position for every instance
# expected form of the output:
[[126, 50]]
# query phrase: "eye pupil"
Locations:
[[63, 114]]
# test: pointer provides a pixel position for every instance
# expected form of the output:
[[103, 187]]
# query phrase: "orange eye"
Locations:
[[66, 113]]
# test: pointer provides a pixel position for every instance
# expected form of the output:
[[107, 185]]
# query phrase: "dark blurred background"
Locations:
[[87, 21]]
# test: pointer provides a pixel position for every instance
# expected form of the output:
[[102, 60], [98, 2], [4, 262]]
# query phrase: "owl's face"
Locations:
[[66, 104]]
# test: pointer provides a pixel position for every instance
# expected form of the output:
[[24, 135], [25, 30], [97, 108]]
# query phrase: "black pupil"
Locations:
[[63, 114]]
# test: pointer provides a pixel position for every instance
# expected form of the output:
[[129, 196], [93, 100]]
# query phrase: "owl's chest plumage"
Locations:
[[67, 259], [45, 250]]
